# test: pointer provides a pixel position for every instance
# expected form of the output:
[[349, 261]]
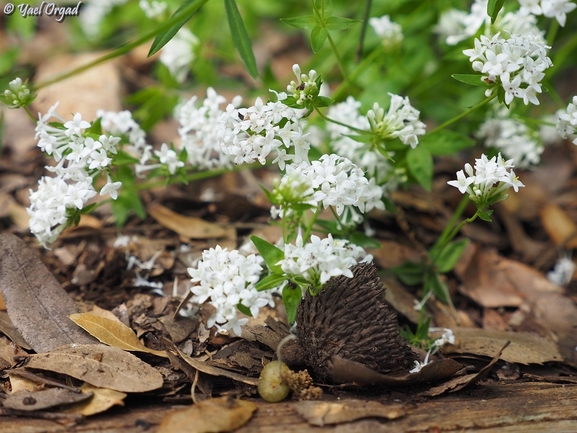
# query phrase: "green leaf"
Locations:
[[486, 215], [493, 8], [450, 255], [362, 240], [270, 282], [95, 127], [240, 37], [318, 37], [291, 297], [472, 79], [420, 164], [244, 310], [307, 22], [270, 253], [339, 23], [410, 273], [123, 158], [433, 283], [323, 101], [446, 142], [179, 18]]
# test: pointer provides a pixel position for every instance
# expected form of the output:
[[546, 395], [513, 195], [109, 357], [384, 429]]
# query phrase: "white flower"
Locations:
[[152, 8], [178, 54], [567, 121], [447, 338], [557, 9], [517, 64], [321, 259], [305, 88], [93, 12], [489, 182], [390, 33], [401, 121], [562, 272], [169, 158], [111, 188], [75, 126], [225, 279], [512, 137]]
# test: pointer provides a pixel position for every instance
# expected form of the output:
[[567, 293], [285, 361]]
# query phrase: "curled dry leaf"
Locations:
[[100, 365], [112, 332], [525, 348], [38, 400], [102, 400], [321, 412], [215, 415], [190, 227], [36, 304]]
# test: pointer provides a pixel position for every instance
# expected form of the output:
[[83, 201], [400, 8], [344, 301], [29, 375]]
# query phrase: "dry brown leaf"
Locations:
[[102, 400], [112, 332], [391, 254], [19, 383], [37, 305], [100, 365], [190, 227], [525, 348], [215, 415], [38, 400], [9, 351], [7, 328], [215, 371], [321, 412], [559, 226], [346, 371]]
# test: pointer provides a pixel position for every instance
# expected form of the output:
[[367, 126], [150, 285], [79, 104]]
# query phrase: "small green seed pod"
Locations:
[[271, 387]]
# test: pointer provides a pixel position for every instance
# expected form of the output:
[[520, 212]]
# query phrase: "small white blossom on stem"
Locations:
[[227, 279], [400, 121], [489, 182], [563, 271], [178, 54], [390, 33], [517, 64], [305, 88], [567, 121], [557, 9], [447, 338], [169, 158]]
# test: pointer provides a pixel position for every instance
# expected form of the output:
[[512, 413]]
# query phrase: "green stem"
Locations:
[[336, 122], [339, 60], [367, 61], [129, 46], [463, 114], [552, 32], [309, 226], [450, 224], [30, 114]]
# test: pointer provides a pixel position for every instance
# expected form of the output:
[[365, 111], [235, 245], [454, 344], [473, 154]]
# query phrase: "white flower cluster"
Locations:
[[363, 154], [447, 338], [251, 134], [178, 54], [93, 12], [199, 131], [79, 160], [513, 138], [336, 181], [390, 33], [401, 121], [557, 9], [567, 121], [227, 279], [153, 8], [456, 25], [17, 94], [517, 64], [305, 88], [489, 182], [319, 260]]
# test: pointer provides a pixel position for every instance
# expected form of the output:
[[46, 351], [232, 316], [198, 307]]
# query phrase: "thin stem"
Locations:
[[30, 114], [367, 61], [441, 243], [552, 32], [310, 224], [336, 122], [339, 59], [463, 114], [125, 48]]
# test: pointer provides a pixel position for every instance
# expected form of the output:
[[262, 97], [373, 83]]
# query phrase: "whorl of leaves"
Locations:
[[350, 319]]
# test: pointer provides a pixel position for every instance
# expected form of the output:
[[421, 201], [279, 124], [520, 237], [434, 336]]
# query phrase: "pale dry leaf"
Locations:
[[19, 383], [321, 413], [102, 400], [216, 371], [36, 303], [44, 399], [221, 414], [525, 348], [7, 328], [100, 365], [190, 227], [112, 332], [559, 226]]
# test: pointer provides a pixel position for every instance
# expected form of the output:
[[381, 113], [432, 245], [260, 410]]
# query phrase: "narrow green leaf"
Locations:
[[240, 37], [434, 284], [291, 297], [180, 18], [446, 142], [270, 282], [362, 240], [270, 253], [420, 164], [95, 127], [340, 23], [244, 310], [472, 79], [323, 101], [410, 273], [318, 37], [486, 215], [450, 255], [493, 8], [307, 22]]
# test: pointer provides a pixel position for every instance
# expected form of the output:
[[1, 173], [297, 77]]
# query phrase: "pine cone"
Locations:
[[350, 319]]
